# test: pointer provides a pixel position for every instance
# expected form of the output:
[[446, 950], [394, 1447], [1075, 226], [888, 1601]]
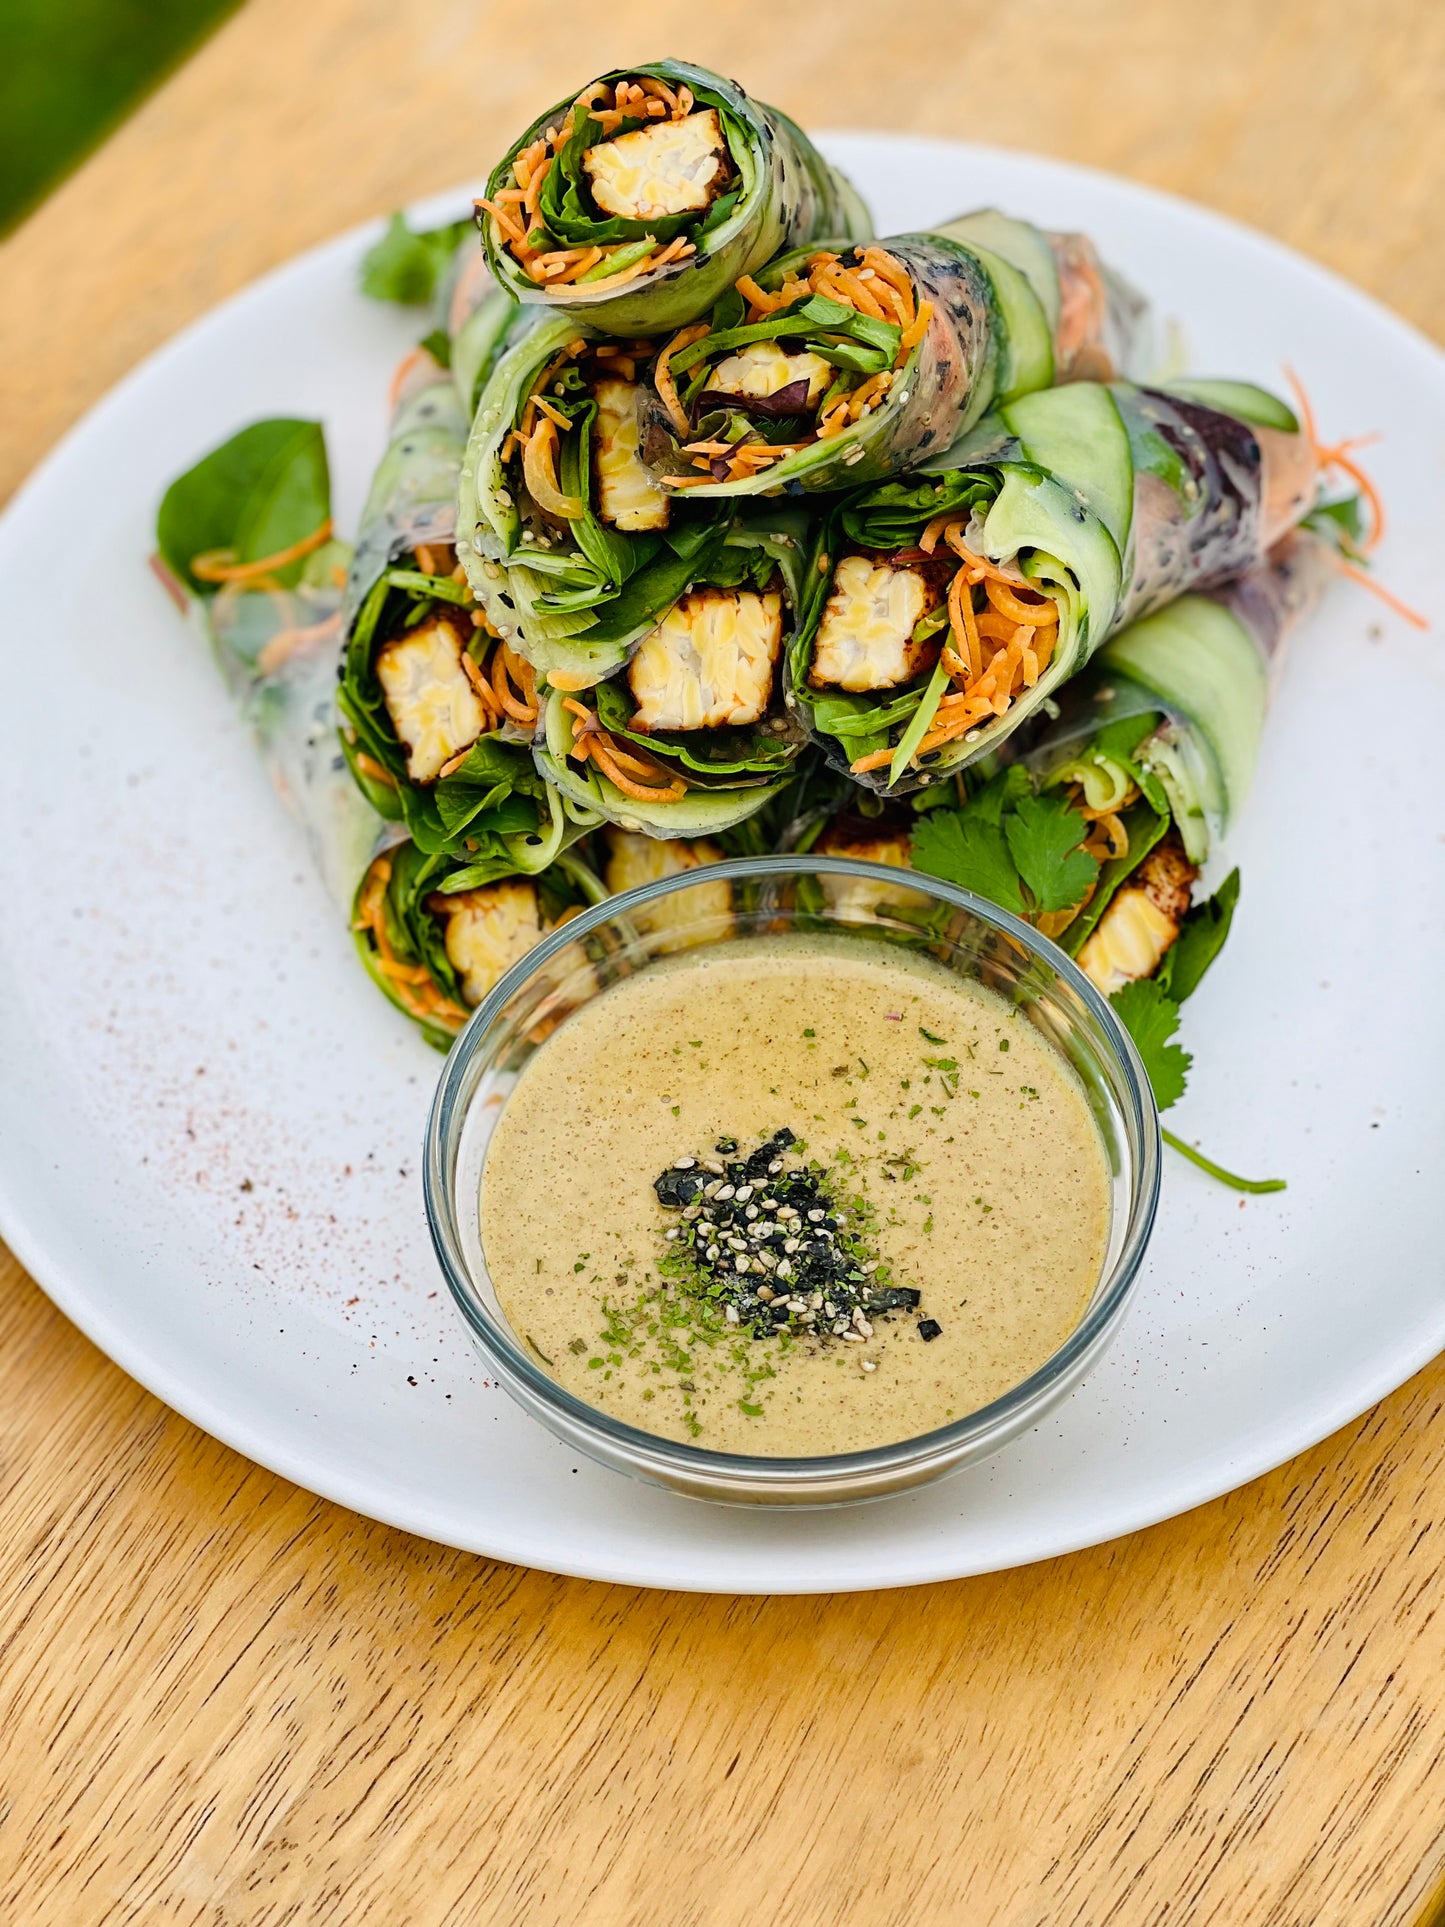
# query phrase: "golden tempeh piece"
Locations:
[[433, 707], [865, 640], [861, 900], [488, 930], [675, 167], [710, 661], [762, 369], [674, 922], [629, 496], [1142, 921]]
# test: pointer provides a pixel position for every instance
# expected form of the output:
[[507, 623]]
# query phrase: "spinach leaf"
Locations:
[[258, 493], [1200, 940]]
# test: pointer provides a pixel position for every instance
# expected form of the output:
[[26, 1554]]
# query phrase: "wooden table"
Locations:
[[225, 1702]]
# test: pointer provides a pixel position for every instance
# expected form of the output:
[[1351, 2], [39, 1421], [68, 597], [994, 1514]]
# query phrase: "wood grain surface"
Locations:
[[224, 1702]]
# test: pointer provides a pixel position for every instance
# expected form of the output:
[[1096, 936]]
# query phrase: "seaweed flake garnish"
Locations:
[[766, 1243]]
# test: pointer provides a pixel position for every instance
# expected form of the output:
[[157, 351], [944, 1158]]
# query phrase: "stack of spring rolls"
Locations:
[[711, 523]]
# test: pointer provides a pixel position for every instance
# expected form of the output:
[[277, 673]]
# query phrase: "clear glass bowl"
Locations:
[[866, 902]]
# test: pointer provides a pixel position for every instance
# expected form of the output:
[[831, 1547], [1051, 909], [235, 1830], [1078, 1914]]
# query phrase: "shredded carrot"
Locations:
[[1367, 581], [370, 768], [539, 467], [865, 397], [407, 366], [220, 565], [482, 690], [287, 643], [168, 582], [893, 274], [964, 623], [662, 378], [589, 739], [509, 670], [415, 988], [914, 333], [1008, 604], [1339, 456]]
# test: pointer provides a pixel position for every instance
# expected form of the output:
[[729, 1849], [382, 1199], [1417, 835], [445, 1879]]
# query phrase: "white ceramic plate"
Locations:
[[210, 1123]]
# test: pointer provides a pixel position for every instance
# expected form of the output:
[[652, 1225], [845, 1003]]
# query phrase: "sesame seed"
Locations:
[[712, 1164], [740, 1264], [775, 1167], [814, 1217], [766, 1293], [725, 1193], [712, 1190], [683, 1164], [868, 1365], [674, 1233], [849, 1338], [744, 1192]]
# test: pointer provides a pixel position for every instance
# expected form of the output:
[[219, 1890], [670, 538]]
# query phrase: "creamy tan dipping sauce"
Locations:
[[959, 1149]]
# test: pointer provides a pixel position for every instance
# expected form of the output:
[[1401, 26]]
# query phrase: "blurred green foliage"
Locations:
[[70, 71]]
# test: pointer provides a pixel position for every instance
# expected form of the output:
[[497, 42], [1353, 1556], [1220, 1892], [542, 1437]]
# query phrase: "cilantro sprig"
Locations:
[[1025, 852], [1022, 851]]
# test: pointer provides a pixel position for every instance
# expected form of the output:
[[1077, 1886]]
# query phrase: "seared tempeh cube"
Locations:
[[488, 930], [433, 707], [762, 371], [865, 640], [1133, 936], [672, 922], [629, 496], [860, 899], [709, 662], [673, 167]]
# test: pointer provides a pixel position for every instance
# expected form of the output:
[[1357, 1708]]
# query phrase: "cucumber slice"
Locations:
[[1025, 339], [700, 813], [1018, 242], [1035, 512], [1076, 433], [1239, 398], [478, 344], [1205, 666]]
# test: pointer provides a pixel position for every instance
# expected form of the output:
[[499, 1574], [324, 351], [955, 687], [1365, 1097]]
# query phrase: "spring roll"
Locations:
[[947, 606], [438, 712], [1099, 828], [245, 546], [636, 203], [834, 367], [695, 736]]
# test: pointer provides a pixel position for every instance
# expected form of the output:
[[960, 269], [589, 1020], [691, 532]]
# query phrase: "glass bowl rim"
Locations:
[[1101, 1315]]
